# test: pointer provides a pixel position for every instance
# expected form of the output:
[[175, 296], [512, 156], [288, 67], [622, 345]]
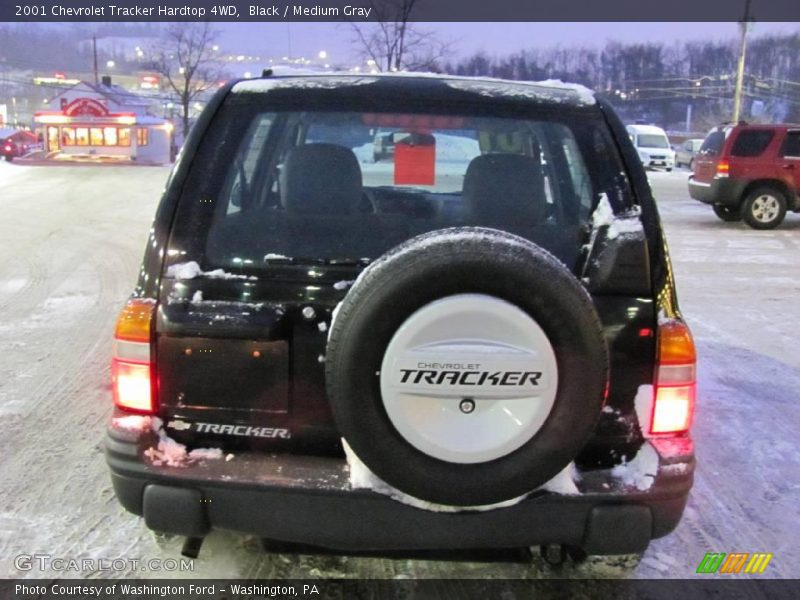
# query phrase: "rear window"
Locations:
[[752, 142], [344, 187], [713, 143], [791, 145]]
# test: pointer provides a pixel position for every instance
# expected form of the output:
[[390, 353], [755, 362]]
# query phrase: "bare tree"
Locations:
[[394, 43], [186, 61]]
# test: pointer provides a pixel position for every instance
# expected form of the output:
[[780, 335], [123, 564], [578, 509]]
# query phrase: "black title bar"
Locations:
[[385, 10]]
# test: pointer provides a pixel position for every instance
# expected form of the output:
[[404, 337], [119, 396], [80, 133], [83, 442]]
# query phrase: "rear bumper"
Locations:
[[723, 191], [308, 500]]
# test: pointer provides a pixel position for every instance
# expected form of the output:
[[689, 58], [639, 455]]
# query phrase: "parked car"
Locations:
[[652, 145], [17, 142], [478, 348], [749, 172], [685, 153]]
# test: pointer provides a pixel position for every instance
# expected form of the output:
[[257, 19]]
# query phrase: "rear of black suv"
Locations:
[[470, 342]]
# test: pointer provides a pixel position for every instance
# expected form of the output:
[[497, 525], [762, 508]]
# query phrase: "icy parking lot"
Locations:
[[72, 241]]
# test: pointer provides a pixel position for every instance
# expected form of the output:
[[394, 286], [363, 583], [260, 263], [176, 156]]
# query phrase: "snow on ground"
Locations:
[[67, 233]]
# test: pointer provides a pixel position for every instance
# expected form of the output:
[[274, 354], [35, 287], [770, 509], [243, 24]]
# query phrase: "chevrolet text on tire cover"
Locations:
[[401, 312]]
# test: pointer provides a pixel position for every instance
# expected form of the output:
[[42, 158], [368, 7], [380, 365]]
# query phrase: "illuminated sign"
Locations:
[[85, 107]]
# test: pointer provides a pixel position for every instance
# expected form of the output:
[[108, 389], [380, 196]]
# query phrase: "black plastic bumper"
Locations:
[[723, 191], [309, 500]]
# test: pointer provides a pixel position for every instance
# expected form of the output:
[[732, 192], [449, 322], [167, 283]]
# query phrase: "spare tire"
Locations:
[[466, 366]]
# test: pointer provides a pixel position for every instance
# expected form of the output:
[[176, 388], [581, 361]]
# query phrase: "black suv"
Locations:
[[473, 344]]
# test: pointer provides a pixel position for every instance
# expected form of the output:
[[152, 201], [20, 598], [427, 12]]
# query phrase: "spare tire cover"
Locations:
[[466, 366]]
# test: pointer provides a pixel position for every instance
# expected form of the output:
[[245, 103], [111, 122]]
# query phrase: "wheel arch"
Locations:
[[789, 195]]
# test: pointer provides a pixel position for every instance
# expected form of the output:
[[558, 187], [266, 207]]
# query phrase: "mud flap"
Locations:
[[175, 510], [622, 529]]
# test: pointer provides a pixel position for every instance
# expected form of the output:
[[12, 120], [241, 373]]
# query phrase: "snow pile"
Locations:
[[132, 423], [205, 454], [309, 80], [641, 471], [197, 296], [564, 482], [170, 453], [273, 256], [643, 405], [361, 477], [551, 90], [190, 270], [585, 95], [617, 225]]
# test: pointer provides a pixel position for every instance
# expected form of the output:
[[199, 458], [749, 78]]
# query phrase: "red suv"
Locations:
[[749, 172]]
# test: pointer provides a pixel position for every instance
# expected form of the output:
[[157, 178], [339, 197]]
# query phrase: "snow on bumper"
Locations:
[[310, 500]]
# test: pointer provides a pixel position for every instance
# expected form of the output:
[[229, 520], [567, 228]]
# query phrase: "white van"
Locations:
[[653, 147]]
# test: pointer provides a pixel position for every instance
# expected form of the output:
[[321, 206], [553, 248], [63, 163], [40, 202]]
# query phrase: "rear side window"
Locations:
[[345, 187], [713, 143], [752, 142], [791, 145]]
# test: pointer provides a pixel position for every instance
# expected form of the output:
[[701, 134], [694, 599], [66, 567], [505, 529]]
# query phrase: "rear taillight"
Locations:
[[675, 388], [723, 168], [131, 364]]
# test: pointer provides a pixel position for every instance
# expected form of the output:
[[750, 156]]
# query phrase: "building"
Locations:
[[104, 121]]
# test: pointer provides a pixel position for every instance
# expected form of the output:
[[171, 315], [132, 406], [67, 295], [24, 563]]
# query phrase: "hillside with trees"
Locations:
[[666, 83]]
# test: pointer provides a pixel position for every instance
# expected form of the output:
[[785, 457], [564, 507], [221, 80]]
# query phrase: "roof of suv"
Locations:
[[415, 85]]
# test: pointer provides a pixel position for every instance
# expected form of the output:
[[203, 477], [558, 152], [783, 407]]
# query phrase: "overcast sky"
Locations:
[[307, 39]]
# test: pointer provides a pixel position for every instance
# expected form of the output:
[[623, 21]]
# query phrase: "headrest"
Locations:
[[505, 187], [321, 179]]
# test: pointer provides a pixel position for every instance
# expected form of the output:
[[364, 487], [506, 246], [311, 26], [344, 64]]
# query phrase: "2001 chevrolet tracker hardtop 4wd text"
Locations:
[[468, 339]]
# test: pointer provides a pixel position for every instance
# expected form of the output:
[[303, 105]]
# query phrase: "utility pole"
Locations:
[[94, 52], [689, 116], [737, 94]]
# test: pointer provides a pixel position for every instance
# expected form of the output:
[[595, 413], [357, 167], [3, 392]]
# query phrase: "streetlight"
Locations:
[[110, 64], [322, 54]]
